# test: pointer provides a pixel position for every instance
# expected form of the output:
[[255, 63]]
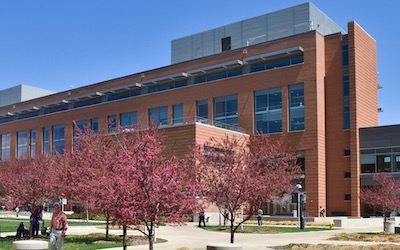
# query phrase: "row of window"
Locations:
[[268, 119], [201, 78], [372, 163], [346, 84]]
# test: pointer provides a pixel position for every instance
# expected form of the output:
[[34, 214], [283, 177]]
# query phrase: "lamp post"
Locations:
[[299, 212]]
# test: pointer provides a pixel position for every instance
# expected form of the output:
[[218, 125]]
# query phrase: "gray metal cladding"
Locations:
[[283, 23]]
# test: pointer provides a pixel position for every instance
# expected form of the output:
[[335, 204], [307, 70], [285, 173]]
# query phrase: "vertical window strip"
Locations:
[[5, 147], [296, 107], [22, 144], [58, 139]]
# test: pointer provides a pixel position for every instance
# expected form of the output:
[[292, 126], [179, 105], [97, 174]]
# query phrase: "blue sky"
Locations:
[[58, 45]]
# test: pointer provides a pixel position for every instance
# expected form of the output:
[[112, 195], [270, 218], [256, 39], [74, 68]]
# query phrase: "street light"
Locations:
[[299, 186]]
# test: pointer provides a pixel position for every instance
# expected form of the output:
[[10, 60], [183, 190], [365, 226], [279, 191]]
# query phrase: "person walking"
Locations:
[[321, 211], [58, 228], [259, 216], [17, 211], [202, 219]]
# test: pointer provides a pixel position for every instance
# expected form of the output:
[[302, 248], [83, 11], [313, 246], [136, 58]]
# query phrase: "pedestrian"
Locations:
[[35, 222], [17, 211], [58, 228], [202, 219], [321, 211], [259, 216], [226, 216]]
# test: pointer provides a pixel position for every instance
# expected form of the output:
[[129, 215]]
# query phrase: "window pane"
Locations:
[[202, 110], [33, 143], [396, 163], [383, 163], [159, 116], [225, 110], [268, 107], [58, 139], [367, 163], [46, 141], [94, 123], [177, 113], [128, 119], [296, 106], [112, 123], [5, 147], [22, 141]]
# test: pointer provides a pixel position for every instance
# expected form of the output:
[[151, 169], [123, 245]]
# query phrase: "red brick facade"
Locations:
[[323, 139]]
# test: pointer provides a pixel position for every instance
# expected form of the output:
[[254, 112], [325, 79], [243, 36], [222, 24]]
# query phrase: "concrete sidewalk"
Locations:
[[192, 237]]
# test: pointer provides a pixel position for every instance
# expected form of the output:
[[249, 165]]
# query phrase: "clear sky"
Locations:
[[58, 45]]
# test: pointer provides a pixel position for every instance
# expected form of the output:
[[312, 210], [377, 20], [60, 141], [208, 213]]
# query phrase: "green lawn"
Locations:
[[11, 224], [265, 229], [75, 242]]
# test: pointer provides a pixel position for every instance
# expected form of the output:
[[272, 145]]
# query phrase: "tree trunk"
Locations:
[[151, 235], [384, 222], [107, 225], [232, 230], [124, 245]]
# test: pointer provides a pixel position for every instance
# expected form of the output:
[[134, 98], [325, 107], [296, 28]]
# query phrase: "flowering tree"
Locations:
[[30, 182], [87, 170], [152, 187], [237, 174], [128, 175], [384, 196]]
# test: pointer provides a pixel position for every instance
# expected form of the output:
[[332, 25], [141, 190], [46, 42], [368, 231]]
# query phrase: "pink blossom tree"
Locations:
[[384, 196], [237, 173], [129, 175], [87, 170], [30, 182], [152, 187]]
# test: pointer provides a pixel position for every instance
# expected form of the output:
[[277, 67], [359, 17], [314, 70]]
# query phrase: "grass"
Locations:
[[369, 237], [265, 229], [11, 224], [83, 242], [334, 247]]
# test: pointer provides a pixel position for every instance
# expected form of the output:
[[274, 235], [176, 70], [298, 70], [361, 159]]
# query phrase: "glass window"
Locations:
[[22, 144], [128, 119], [94, 124], [268, 111], [383, 163], [226, 43], [202, 111], [112, 123], [296, 107], [345, 55], [33, 143], [347, 197], [159, 116], [5, 147], [346, 117], [177, 113], [81, 125], [58, 139], [301, 160], [367, 163], [46, 141], [396, 163], [226, 110]]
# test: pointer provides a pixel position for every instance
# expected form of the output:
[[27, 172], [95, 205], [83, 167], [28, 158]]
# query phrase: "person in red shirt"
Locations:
[[58, 228]]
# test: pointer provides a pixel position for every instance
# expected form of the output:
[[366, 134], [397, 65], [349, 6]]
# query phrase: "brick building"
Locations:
[[292, 73]]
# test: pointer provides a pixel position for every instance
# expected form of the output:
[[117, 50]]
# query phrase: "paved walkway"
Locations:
[[190, 237], [193, 238]]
